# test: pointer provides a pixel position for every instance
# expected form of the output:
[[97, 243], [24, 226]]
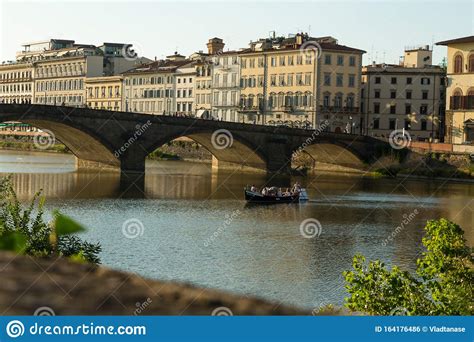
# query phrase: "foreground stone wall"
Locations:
[[76, 289]]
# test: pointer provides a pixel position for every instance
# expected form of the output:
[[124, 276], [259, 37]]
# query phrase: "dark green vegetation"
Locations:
[[443, 283], [23, 230]]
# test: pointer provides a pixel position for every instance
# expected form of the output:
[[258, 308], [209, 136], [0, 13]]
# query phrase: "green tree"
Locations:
[[442, 285], [24, 230]]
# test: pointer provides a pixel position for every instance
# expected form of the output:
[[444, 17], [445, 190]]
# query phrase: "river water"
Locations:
[[193, 226]]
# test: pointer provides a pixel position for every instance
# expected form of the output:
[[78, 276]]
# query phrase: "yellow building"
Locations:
[[16, 82], [104, 92], [301, 81], [460, 91]]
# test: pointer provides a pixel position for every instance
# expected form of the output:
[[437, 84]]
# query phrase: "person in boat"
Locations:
[[296, 188], [265, 191], [253, 188]]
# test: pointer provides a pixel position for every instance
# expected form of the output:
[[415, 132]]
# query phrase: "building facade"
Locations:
[[16, 82], [151, 88], [460, 91], [408, 97], [185, 79], [226, 86], [60, 68], [203, 86], [104, 93], [301, 81]]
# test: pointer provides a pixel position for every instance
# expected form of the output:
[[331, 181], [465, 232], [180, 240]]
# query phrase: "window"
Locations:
[[290, 60], [392, 124], [393, 80], [424, 109], [377, 94], [407, 108], [282, 60], [273, 61], [352, 61], [471, 63], [423, 125], [377, 80], [376, 123], [407, 124], [409, 80], [326, 100], [339, 80], [425, 81], [376, 108], [393, 94], [458, 64], [408, 94], [299, 60], [327, 59], [425, 95], [393, 109], [351, 80], [340, 60], [327, 79]]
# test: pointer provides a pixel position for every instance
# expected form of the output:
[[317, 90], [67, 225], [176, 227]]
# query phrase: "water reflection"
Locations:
[[260, 251]]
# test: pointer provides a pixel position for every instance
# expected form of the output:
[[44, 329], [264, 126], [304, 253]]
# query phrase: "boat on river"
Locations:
[[275, 196]]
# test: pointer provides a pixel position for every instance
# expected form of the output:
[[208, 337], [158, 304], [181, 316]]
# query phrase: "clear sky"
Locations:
[[158, 28]]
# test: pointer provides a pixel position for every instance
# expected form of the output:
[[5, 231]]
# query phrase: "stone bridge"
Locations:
[[124, 139]]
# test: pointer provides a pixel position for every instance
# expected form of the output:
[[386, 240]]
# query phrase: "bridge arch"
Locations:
[[331, 151], [79, 140], [229, 149]]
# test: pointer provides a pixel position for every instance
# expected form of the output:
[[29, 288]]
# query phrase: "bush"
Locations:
[[28, 233], [442, 285]]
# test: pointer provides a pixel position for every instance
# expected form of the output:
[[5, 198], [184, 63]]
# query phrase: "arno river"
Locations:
[[193, 225]]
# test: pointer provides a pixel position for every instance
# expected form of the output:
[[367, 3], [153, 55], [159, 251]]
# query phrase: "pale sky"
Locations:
[[158, 28]]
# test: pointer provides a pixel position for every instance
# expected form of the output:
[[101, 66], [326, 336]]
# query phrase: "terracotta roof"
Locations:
[[468, 39]]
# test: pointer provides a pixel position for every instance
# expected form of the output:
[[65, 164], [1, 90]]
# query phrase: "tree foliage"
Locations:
[[24, 230], [442, 285]]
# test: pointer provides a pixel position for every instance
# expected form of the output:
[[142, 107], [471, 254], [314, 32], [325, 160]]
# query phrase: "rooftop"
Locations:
[[468, 39]]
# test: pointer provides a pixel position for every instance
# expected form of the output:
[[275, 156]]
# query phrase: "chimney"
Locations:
[[215, 46]]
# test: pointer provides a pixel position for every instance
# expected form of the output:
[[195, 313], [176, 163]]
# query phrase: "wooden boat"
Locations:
[[255, 197]]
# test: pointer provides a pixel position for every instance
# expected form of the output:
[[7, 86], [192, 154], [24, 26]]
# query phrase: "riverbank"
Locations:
[[453, 167], [69, 288]]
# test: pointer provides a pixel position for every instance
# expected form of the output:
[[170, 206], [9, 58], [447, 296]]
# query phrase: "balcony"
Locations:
[[461, 102]]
